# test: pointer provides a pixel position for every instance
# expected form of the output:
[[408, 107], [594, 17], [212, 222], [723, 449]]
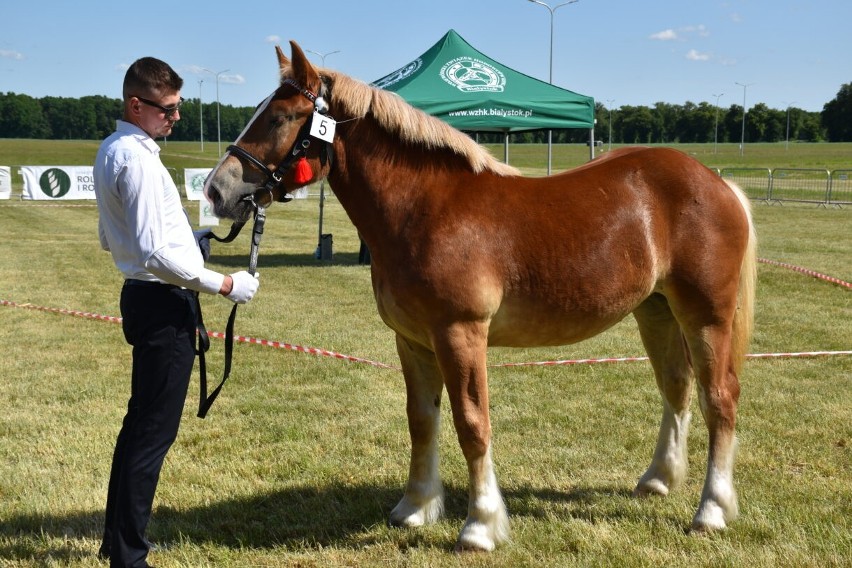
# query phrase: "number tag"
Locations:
[[322, 127]]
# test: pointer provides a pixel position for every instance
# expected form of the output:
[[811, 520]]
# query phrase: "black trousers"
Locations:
[[159, 322]]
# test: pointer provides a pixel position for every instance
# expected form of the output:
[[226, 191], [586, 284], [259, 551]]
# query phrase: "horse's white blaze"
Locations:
[[260, 108]]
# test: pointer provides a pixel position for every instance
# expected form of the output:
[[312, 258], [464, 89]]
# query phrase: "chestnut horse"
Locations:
[[466, 253]]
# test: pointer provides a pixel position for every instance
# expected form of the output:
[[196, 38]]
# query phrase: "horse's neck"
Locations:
[[379, 186]]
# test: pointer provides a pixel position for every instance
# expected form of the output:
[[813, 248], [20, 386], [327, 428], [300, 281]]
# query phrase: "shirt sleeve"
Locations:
[[142, 197], [173, 260], [102, 235], [166, 265]]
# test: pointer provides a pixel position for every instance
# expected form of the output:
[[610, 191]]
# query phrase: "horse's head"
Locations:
[[275, 153]]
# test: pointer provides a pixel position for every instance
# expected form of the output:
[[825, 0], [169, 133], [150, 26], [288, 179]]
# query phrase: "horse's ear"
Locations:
[[283, 62], [303, 72]]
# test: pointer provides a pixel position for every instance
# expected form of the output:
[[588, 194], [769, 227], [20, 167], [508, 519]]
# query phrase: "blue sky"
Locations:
[[621, 52]]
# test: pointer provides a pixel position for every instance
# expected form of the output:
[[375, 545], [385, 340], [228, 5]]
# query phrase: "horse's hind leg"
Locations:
[[423, 501], [663, 340], [718, 395]]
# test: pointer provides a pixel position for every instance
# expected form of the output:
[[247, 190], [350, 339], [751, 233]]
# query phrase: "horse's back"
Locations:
[[589, 245]]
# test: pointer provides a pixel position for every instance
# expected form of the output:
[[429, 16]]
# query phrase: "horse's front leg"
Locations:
[[461, 353], [423, 501]]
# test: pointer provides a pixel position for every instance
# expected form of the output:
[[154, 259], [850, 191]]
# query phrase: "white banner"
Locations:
[[193, 181], [5, 182], [206, 218], [58, 182]]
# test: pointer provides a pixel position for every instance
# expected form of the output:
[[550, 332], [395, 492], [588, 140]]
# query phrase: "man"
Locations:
[[143, 224]]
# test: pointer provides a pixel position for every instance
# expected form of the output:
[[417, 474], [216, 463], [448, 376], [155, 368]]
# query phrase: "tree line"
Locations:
[[93, 118]]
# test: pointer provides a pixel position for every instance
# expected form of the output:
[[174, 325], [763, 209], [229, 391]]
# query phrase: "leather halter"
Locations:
[[299, 148], [273, 178], [205, 401]]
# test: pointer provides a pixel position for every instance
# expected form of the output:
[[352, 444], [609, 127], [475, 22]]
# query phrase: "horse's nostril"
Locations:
[[213, 194]]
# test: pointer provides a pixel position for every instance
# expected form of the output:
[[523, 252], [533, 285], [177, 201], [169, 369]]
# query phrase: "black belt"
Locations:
[[149, 284]]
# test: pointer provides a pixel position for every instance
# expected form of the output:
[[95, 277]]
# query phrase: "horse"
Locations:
[[467, 253]]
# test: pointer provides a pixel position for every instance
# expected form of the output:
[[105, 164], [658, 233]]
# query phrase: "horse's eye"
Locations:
[[282, 119]]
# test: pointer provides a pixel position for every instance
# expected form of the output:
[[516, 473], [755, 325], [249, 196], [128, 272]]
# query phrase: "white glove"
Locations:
[[244, 287]]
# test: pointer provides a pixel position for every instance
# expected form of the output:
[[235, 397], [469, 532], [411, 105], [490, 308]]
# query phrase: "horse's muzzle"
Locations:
[[237, 210]]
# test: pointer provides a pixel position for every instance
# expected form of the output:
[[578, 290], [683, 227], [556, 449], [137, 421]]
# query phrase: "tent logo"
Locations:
[[470, 75], [55, 183], [399, 74]]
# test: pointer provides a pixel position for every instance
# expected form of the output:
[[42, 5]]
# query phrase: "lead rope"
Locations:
[[205, 401]]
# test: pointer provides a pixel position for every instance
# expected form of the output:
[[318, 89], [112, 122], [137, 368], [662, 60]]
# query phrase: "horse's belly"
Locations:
[[535, 329]]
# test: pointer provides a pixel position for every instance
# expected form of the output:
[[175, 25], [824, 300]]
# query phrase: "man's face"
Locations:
[[157, 116]]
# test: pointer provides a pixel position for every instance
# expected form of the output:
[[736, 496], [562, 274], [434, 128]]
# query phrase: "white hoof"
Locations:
[[485, 534], [407, 513], [709, 518], [714, 516], [475, 537], [651, 486]]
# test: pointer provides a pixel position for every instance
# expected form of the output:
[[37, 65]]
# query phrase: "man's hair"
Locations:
[[150, 77]]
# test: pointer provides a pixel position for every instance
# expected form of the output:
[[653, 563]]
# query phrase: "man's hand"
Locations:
[[202, 237], [243, 286]]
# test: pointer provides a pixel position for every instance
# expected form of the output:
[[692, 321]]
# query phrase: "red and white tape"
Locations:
[[831, 279], [301, 349], [326, 353]]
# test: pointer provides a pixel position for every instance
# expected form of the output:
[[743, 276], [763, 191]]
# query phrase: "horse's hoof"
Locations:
[[473, 543], [651, 487], [709, 518]]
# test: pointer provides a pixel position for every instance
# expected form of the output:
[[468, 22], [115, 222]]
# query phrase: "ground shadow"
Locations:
[[289, 518]]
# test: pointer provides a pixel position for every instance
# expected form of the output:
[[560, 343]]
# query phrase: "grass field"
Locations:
[[303, 457], [531, 158]]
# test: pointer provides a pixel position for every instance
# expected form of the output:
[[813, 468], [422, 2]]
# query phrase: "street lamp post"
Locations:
[[787, 140], [550, 80], [716, 128], [319, 252], [200, 116], [322, 55], [218, 114], [609, 107], [742, 138]]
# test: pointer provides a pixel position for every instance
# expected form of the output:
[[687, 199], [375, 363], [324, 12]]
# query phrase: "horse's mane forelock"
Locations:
[[412, 125]]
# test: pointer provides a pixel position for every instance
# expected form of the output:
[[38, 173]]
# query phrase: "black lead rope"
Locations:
[[205, 401]]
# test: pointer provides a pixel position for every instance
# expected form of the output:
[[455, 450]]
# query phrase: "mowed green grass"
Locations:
[[302, 457], [531, 158]]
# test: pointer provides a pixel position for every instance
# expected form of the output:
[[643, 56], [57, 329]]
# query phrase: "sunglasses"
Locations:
[[168, 111]]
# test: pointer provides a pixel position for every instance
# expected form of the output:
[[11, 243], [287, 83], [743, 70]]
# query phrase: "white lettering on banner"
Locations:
[[193, 182], [58, 182], [5, 182]]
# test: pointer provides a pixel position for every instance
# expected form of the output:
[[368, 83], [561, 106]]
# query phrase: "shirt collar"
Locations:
[[131, 129]]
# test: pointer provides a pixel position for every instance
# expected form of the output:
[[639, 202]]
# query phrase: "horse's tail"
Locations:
[[744, 318]]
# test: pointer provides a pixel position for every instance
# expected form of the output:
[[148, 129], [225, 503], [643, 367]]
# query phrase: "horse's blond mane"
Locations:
[[412, 125]]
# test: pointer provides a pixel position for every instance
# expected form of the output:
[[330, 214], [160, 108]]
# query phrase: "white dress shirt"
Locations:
[[141, 219]]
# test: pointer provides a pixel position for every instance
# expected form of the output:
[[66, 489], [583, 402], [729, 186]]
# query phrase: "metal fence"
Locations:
[[840, 187], [804, 185], [755, 182]]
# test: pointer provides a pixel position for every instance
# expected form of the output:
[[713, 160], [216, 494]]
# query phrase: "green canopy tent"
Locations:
[[472, 92]]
